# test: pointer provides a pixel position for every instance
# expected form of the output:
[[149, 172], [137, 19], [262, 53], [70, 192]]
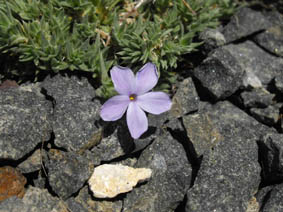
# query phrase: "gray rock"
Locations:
[[271, 150], [244, 23], [262, 195], [67, 172], [94, 159], [274, 200], [185, 100], [279, 83], [75, 113], [74, 206], [220, 73], [113, 147], [258, 97], [271, 39], [158, 121], [202, 132], [64, 87], [34, 200], [175, 125], [41, 200], [40, 181], [13, 204], [129, 161], [85, 200], [74, 123], [229, 174], [24, 120], [212, 39], [269, 115], [274, 17], [170, 178], [256, 63], [34, 162]]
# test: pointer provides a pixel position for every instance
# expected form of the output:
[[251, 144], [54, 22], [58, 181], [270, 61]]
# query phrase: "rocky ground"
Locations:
[[218, 149]]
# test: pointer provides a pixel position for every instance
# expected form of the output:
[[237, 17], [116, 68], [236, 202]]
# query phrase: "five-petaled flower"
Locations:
[[134, 95]]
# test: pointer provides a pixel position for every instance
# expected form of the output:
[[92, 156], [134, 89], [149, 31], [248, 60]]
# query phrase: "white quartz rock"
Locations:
[[108, 180]]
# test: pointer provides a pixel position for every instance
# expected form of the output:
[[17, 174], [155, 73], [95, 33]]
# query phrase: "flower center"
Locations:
[[133, 97]]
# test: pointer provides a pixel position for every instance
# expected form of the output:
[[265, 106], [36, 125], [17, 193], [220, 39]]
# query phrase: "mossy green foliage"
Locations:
[[93, 35]]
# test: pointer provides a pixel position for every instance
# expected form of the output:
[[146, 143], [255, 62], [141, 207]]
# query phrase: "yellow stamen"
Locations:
[[132, 97]]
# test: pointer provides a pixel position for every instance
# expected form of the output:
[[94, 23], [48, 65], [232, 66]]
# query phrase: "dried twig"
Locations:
[[189, 7]]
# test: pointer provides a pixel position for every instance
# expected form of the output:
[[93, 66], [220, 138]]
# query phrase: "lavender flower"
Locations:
[[134, 95]]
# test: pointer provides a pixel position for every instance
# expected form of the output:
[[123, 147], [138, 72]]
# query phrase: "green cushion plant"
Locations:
[[93, 35]]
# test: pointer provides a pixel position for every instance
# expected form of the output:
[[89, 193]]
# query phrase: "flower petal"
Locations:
[[123, 79], [114, 108], [136, 120], [154, 102], [146, 78]]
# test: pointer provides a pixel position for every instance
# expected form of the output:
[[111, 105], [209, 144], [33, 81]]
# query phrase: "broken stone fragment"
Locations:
[[258, 97], [12, 183], [271, 39], [107, 181], [185, 100], [240, 25]]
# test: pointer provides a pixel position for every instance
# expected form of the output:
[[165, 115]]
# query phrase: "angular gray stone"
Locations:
[[74, 206], [268, 116], [274, 17], [185, 100], [274, 200], [67, 172], [34, 162], [262, 195], [175, 125], [170, 178], [220, 73], [74, 123], [272, 38], [202, 132], [256, 63], [212, 39], [86, 201], [75, 111], [24, 120], [270, 151], [35, 200], [112, 147], [229, 174], [244, 23], [13, 204], [258, 97]]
